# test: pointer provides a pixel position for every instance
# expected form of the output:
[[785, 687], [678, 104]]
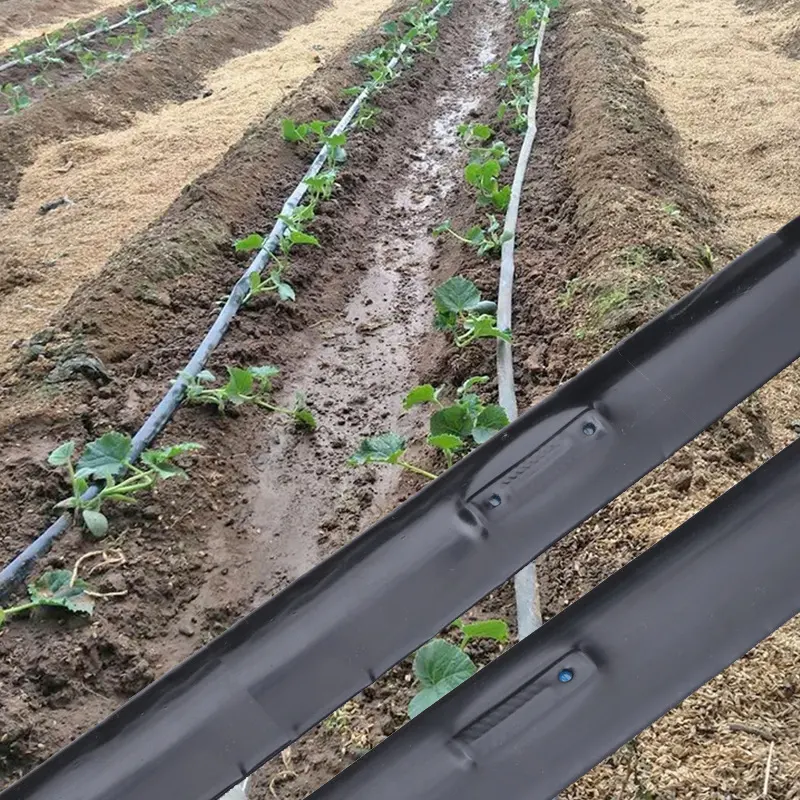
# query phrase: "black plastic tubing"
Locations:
[[555, 705], [222, 713]]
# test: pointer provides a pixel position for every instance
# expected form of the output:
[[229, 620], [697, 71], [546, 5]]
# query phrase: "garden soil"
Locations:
[[614, 216], [26, 19]]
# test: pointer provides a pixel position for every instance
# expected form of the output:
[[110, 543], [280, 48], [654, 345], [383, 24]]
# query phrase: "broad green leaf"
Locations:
[[390, 28], [240, 383], [475, 380], [298, 237], [491, 420], [438, 660], [427, 697], [95, 522], [252, 242], [496, 629], [485, 327], [62, 454], [53, 589], [475, 235], [482, 132], [456, 295], [254, 281], [105, 456], [387, 448], [174, 450], [454, 420], [440, 667], [501, 198], [420, 394], [290, 131], [446, 441]]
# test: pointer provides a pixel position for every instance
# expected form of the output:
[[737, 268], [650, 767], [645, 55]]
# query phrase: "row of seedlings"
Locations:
[[462, 420], [57, 51], [106, 462]]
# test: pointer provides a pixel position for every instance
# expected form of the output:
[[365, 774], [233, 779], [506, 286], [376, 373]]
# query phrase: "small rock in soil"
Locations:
[[186, 629], [79, 367], [682, 481]]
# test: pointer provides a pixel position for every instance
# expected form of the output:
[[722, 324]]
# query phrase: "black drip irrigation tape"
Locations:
[[549, 709], [286, 666], [20, 566]]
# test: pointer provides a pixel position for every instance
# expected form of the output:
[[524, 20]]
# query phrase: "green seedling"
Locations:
[[483, 177], [440, 666], [386, 448], [106, 459], [487, 241], [457, 427], [16, 97], [367, 116], [303, 131], [460, 310], [245, 386], [274, 282], [472, 134], [55, 589], [322, 185], [89, 63], [295, 232]]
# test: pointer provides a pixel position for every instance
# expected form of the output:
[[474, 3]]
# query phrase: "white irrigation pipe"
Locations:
[[529, 616], [89, 35]]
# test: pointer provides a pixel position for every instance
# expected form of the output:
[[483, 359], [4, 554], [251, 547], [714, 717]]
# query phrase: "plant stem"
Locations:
[[19, 609], [417, 470]]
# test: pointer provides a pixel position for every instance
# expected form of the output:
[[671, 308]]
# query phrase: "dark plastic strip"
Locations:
[[553, 706], [222, 713]]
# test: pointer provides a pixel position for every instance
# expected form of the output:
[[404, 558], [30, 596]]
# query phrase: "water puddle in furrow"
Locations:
[[359, 368]]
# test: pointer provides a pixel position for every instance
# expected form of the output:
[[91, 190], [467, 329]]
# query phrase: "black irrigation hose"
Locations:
[[283, 668], [19, 567], [552, 707]]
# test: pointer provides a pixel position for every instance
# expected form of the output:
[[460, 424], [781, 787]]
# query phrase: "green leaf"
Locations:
[[443, 228], [291, 132], [454, 420], [240, 383], [485, 307], [491, 420], [62, 454], [298, 237], [252, 242], [446, 441], [205, 375], [482, 132], [438, 660], [456, 295], [485, 327], [160, 460], [105, 456], [53, 589], [440, 667], [496, 629], [420, 394], [501, 198], [387, 448], [95, 522]]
